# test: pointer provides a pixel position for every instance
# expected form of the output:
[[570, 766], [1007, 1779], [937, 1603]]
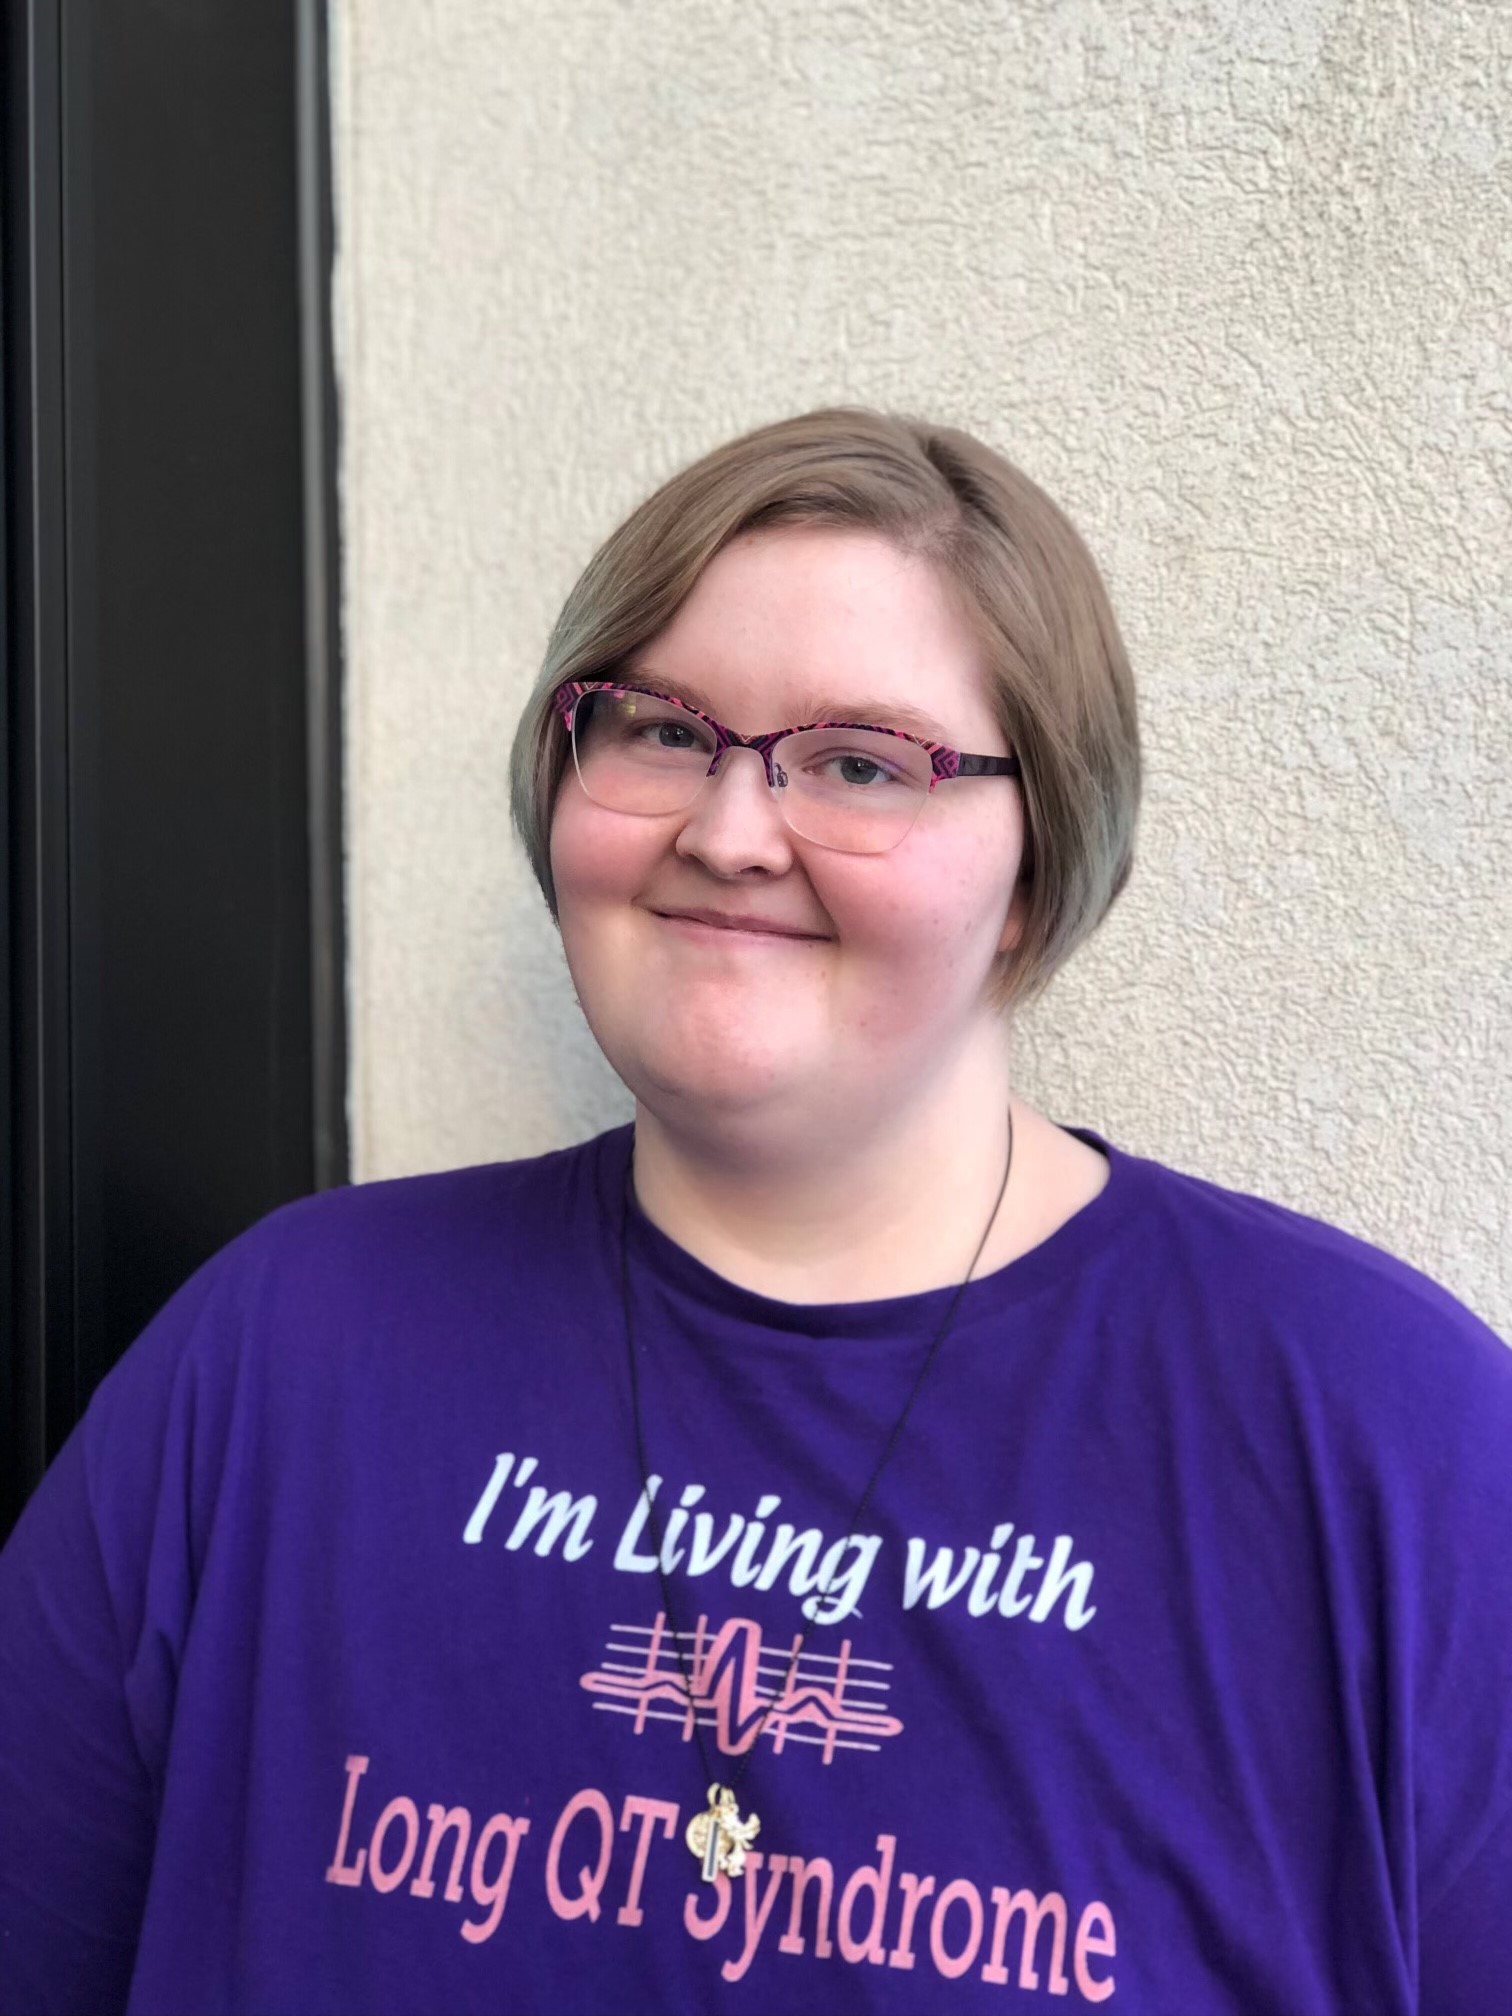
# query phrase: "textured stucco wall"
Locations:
[[1229, 277]]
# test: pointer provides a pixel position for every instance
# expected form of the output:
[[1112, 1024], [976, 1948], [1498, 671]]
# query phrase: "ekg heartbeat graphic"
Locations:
[[734, 1677]]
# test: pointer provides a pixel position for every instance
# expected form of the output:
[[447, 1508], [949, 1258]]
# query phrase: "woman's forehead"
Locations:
[[818, 624]]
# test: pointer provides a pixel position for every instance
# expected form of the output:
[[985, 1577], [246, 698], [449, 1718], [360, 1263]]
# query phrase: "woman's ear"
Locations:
[[1017, 918]]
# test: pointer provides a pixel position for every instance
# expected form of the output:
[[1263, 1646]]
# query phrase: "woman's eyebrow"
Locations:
[[881, 713], [663, 682]]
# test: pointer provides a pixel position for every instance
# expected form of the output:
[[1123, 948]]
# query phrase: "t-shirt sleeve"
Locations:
[[75, 1801], [96, 1595], [1466, 1935], [1461, 1593]]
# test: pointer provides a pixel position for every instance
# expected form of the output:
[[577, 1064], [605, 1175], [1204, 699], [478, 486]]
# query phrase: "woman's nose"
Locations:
[[735, 821]]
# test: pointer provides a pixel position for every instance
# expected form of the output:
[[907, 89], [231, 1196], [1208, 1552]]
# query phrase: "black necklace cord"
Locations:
[[892, 1442]]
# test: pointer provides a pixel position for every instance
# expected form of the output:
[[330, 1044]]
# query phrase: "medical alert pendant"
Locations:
[[720, 1838]]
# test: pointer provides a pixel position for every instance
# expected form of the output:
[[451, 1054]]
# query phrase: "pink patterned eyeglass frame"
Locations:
[[944, 762]]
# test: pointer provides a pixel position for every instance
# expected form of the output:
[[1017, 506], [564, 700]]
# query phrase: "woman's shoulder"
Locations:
[[1316, 1302], [332, 1273], [380, 1232]]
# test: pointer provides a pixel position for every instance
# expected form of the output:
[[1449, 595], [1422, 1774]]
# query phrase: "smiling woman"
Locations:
[[907, 890], [843, 1540]]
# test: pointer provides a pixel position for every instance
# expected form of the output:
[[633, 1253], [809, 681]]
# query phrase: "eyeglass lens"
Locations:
[[849, 788]]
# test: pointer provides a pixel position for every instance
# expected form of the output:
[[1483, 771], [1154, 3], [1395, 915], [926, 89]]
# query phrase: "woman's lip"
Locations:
[[696, 927]]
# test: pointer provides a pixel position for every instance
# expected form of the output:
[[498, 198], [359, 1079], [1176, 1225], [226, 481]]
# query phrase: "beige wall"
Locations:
[[1230, 279]]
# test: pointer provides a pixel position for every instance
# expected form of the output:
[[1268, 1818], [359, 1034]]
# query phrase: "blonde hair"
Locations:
[[1059, 676]]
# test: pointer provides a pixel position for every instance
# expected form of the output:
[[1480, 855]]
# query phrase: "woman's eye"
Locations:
[[860, 770]]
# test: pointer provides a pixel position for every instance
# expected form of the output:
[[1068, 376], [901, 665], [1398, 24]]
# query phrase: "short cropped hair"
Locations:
[[1059, 677]]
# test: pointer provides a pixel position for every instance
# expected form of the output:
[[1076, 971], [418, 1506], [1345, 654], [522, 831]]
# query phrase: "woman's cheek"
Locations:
[[586, 862]]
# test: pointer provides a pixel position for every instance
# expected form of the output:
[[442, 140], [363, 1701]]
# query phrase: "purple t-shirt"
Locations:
[[1171, 1667]]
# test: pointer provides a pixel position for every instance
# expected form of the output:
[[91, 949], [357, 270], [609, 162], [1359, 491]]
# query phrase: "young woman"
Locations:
[[844, 1542]]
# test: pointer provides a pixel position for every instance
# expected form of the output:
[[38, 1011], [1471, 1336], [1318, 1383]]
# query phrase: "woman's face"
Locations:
[[886, 990]]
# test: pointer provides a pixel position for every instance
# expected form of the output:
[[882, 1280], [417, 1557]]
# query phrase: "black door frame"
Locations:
[[172, 997]]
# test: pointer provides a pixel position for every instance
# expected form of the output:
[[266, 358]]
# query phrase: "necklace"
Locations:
[[718, 1836]]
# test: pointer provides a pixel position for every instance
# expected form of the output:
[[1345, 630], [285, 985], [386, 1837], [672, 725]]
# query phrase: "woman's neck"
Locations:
[[893, 1212]]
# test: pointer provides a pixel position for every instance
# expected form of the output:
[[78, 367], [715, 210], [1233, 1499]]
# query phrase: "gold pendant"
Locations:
[[719, 1837]]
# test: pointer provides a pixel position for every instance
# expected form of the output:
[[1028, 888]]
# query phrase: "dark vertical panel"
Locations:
[[41, 1361], [187, 401], [173, 880]]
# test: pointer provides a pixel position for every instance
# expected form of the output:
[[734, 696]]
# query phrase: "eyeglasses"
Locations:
[[841, 784]]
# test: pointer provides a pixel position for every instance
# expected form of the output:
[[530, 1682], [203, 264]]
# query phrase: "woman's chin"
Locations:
[[727, 1079]]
